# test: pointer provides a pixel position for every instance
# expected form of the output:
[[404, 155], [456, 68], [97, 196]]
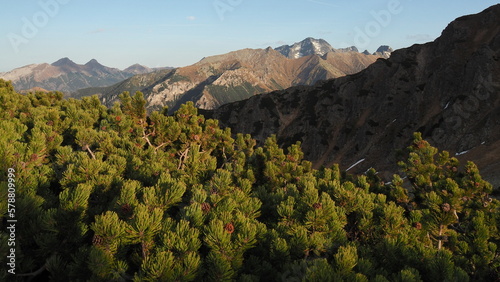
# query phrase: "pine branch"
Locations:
[[146, 137], [87, 148], [440, 242], [161, 145], [35, 273], [182, 158]]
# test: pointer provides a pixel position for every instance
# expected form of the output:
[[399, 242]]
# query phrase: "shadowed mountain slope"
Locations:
[[447, 89]]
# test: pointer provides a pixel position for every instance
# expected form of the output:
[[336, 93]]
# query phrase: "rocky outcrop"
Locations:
[[384, 51], [306, 47], [447, 89]]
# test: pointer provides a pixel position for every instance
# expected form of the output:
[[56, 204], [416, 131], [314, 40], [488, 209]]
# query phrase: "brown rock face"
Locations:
[[447, 89]]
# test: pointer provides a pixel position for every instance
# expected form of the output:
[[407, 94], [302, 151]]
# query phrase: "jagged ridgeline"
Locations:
[[114, 194]]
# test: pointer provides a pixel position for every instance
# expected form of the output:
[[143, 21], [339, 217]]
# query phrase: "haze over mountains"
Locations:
[[238, 75], [447, 89], [67, 76]]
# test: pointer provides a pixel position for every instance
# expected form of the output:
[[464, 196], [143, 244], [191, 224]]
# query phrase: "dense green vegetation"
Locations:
[[116, 194]]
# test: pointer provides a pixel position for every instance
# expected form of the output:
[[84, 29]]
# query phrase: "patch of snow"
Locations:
[[369, 169], [461, 153], [447, 104], [388, 183], [484, 142], [391, 123], [355, 164], [317, 48]]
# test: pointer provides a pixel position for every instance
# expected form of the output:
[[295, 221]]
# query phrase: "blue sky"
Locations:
[[119, 33]]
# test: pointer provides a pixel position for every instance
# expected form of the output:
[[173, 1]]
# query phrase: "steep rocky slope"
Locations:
[[138, 82], [447, 89]]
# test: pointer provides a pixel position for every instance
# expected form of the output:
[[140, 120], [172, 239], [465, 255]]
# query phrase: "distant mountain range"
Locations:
[[67, 76], [447, 89], [238, 75]]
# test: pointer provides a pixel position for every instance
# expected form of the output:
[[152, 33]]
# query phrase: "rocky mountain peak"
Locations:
[[306, 47], [384, 48], [384, 51], [64, 62], [312, 46], [94, 65], [349, 49], [137, 69]]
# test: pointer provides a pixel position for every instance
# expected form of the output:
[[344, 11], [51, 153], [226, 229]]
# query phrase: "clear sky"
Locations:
[[156, 33]]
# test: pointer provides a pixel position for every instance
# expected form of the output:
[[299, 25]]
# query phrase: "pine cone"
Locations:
[[229, 228], [205, 207], [126, 209], [97, 240], [445, 207], [417, 225], [317, 206]]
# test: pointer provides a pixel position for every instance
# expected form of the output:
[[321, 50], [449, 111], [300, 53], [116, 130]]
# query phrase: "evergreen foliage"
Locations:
[[118, 195]]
